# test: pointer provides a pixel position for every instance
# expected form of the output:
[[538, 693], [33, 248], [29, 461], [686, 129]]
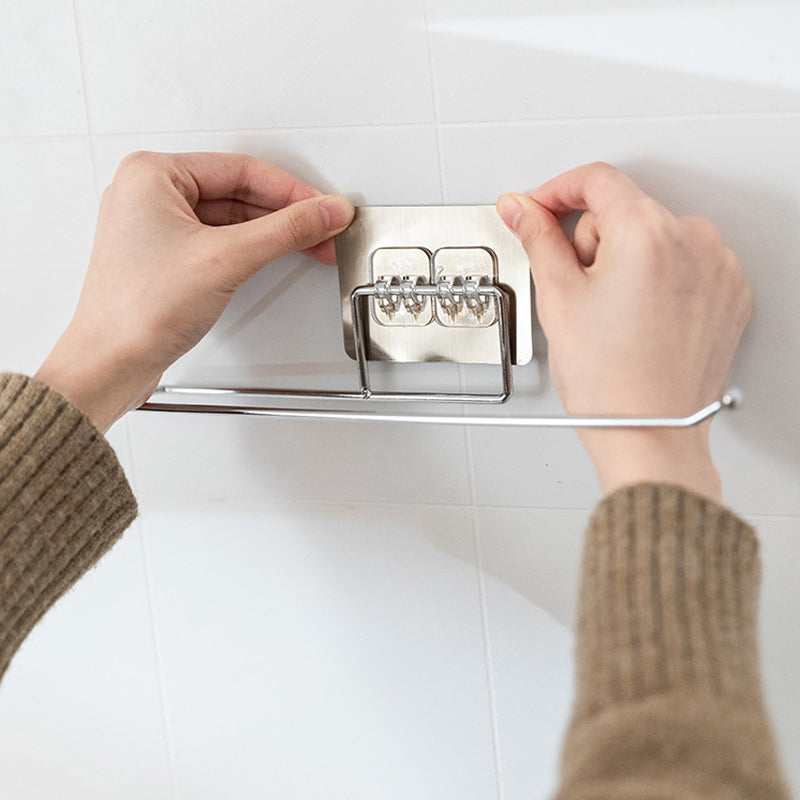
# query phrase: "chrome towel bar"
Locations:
[[730, 400]]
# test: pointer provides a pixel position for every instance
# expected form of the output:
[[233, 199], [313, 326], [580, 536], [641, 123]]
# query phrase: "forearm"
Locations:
[[64, 501], [669, 700]]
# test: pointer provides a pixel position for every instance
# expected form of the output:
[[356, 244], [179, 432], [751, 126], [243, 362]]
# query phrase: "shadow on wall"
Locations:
[[293, 337], [760, 224]]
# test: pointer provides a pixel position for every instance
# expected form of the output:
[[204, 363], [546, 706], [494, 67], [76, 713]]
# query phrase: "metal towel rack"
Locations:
[[430, 301]]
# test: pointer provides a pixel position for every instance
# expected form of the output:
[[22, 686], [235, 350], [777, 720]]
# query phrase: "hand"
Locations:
[[176, 236], [643, 312]]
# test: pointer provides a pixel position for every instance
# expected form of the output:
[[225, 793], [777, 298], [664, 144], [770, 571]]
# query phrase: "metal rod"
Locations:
[[308, 394], [359, 338], [428, 290], [732, 399], [502, 301], [322, 394]]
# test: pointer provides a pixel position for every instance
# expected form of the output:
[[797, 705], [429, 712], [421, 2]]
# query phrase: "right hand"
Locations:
[[643, 312]]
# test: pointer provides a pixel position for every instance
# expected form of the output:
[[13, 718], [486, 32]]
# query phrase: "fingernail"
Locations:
[[337, 210], [510, 210]]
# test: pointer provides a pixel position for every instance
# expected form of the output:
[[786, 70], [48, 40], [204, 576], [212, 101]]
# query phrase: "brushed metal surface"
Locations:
[[461, 240]]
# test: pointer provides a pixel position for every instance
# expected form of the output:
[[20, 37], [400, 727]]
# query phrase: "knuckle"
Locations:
[[534, 236], [731, 260], [742, 287], [244, 179], [703, 231], [649, 212], [105, 197], [529, 235], [603, 168], [604, 175], [137, 161], [652, 221], [748, 300], [297, 227]]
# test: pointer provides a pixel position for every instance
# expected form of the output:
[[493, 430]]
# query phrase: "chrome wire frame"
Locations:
[[732, 399]]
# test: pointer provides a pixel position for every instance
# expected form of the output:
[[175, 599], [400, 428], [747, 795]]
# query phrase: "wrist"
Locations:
[[103, 384], [680, 457]]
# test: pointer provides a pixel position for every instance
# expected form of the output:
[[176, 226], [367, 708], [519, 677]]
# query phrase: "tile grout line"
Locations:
[[263, 501], [483, 123], [162, 701], [266, 501], [151, 617], [485, 627], [714, 116], [162, 689], [76, 19], [473, 512], [437, 125]]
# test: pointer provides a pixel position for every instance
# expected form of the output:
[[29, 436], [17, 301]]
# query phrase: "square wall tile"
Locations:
[[41, 91], [535, 553], [236, 457], [178, 66], [529, 466], [531, 562], [80, 706], [315, 649], [534, 467], [738, 172], [48, 207], [543, 60]]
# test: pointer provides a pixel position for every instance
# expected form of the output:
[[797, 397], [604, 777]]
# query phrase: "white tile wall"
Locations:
[[48, 212], [176, 65], [242, 645], [322, 649], [530, 560], [317, 460], [548, 60], [81, 714], [42, 89]]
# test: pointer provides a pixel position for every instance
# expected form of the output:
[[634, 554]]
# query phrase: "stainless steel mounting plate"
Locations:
[[442, 245]]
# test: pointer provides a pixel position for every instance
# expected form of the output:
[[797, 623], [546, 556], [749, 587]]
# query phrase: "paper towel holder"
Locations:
[[441, 283]]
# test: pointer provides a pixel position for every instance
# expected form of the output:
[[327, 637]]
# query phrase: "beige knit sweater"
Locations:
[[669, 701]]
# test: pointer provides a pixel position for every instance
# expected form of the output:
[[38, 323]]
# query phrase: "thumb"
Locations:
[[552, 257], [251, 245]]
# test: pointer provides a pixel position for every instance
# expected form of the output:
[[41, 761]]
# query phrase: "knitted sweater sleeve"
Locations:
[[64, 501], [669, 701]]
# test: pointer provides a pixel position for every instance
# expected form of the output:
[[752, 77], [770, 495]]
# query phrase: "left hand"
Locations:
[[176, 236], [643, 312]]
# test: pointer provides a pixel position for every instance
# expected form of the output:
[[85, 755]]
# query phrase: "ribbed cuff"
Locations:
[[668, 600], [64, 501], [669, 700]]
